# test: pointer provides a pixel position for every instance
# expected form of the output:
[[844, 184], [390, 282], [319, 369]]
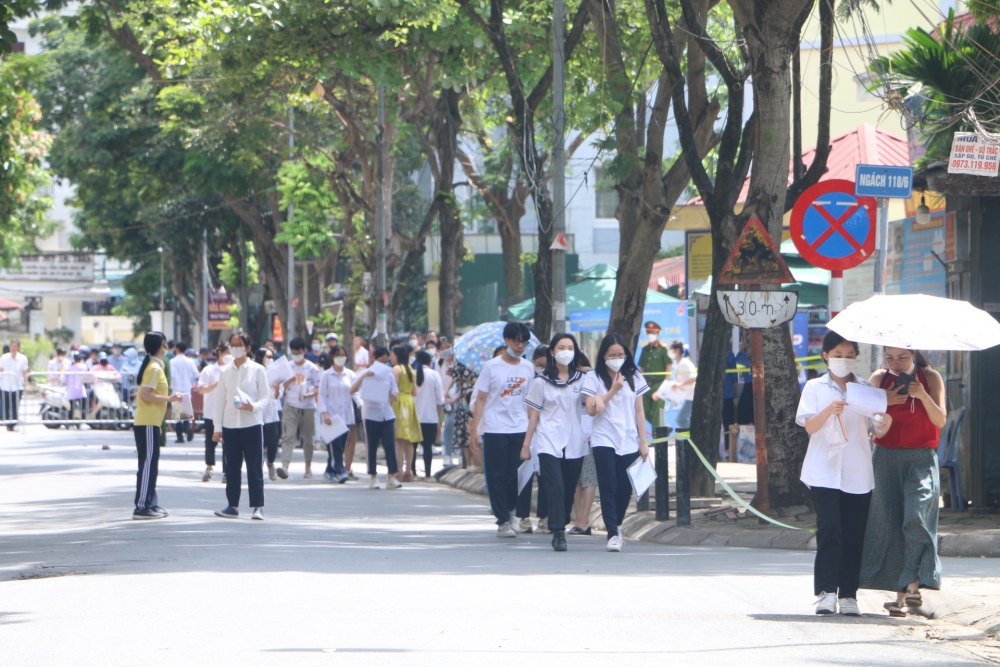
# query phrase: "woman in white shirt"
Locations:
[[335, 401], [838, 471], [272, 415], [241, 401], [682, 381], [429, 398], [614, 399], [380, 420], [555, 433], [208, 381]]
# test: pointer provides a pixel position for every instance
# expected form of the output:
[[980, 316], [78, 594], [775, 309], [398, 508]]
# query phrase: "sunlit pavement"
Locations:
[[341, 575]]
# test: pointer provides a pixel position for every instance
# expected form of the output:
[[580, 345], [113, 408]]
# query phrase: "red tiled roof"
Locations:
[[865, 144], [670, 270]]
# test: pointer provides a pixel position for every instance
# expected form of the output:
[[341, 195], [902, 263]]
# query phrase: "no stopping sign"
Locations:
[[833, 228]]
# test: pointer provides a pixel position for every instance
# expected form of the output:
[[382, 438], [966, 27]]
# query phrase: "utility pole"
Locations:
[[558, 168], [290, 290], [162, 316], [204, 288], [382, 324]]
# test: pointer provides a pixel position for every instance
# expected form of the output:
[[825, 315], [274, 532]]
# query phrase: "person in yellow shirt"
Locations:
[[151, 406]]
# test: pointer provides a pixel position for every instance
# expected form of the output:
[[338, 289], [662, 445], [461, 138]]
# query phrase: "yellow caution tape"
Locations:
[[715, 473]]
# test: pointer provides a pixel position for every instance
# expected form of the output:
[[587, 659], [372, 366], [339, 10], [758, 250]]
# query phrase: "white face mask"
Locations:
[[227, 359], [652, 338], [615, 364], [238, 352], [908, 371], [412, 360], [841, 368], [413, 344], [297, 358], [565, 357], [339, 361], [268, 361]]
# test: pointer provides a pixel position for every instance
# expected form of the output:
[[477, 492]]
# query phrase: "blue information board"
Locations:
[[879, 180]]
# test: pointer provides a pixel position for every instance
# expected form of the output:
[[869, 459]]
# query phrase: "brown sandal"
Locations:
[[914, 600], [896, 611]]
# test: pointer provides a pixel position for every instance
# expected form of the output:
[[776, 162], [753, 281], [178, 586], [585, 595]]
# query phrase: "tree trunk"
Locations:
[[542, 270], [510, 244]]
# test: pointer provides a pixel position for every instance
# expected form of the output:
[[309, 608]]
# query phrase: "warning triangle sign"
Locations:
[[755, 259]]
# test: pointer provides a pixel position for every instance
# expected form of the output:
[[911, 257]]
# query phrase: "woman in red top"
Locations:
[[900, 552]]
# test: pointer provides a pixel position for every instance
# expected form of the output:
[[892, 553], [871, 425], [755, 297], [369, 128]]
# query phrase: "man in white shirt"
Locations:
[[13, 376], [183, 376], [362, 359], [500, 390], [299, 414]]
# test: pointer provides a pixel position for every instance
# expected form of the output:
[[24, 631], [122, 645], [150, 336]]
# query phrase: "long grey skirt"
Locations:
[[901, 539]]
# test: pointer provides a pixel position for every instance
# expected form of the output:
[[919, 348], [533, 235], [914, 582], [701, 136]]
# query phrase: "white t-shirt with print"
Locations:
[[616, 426], [506, 385], [559, 430]]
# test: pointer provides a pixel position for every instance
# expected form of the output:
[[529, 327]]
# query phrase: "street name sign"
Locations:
[[879, 180], [752, 309], [832, 227]]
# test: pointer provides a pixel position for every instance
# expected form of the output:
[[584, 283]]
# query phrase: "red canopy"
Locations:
[[10, 305]]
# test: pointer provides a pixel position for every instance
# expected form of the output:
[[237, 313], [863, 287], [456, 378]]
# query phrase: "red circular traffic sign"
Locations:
[[833, 228]]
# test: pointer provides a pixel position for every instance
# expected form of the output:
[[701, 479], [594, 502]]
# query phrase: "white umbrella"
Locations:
[[917, 322]]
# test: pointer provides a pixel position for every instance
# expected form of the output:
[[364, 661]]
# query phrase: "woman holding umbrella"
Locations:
[[900, 551]]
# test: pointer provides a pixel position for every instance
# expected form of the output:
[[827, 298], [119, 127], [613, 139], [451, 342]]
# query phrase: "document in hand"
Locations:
[[279, 371], [375, 387], [524, 473], [241, 397], [329, 433], [865, 401], [642, 475]]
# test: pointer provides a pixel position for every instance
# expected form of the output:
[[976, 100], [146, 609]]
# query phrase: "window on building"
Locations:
[[865, 83], [606, 240], [605, 196]]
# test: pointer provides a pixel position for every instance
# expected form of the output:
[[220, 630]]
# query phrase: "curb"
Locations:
[[643, 527]]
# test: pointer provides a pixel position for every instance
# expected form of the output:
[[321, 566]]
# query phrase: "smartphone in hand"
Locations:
[[903, 381]]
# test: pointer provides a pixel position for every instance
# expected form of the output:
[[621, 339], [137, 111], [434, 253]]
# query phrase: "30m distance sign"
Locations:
[[757, 310]]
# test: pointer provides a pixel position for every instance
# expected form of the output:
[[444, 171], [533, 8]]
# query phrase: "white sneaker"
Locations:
[[543, 525], [525, 526], [393, 484], [849, 607], [447, 462], [505, 530], [374, 483], [258, 514], [826, 603], [207, 477], [615, 544], [271, 474]]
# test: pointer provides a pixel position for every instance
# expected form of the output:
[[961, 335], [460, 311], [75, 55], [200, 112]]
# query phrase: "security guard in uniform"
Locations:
[[653, 358]]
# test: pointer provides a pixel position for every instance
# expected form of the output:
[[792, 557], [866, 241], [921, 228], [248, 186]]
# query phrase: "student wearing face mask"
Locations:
[[272, 414], [315, 349], [838, 471], [654, 361], [555, 432], [540, 359], [335, 400], [901, 545], [379, 417], [614, 394], [407, 427], [429, 399], [298, 416], [208, 380]]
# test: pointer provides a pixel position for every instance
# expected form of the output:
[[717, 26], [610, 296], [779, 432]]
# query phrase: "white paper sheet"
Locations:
[[279, 371], [865, 401], [376, 386], [242, 397], [524, 473], [329, 433], [642, 474]]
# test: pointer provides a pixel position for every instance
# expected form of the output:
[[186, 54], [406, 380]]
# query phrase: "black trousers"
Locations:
[[8, 405], [210, 445], [523, 510], [147, 445], [385, 433], [614, 485], [501, 457], [272, 438], [181, 427], [558, 481], [429, 432], [841, 519], [239, 444], [335, 455]]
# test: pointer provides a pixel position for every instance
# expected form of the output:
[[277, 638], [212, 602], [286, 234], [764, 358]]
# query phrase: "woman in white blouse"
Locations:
[[241, 402], [555, 432], [614, 399], [838, 471], [429, 398], [335, 401]]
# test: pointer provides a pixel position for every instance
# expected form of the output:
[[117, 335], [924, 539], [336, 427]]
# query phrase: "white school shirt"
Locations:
[[685, 370], [429, 396], [616, 426], [506, 385], [183, 374], [209, 375], [311, 373], [559, 430], [335, 393], [380, 412], [251, 379], [362, 358], [12, 372], [849, 470]]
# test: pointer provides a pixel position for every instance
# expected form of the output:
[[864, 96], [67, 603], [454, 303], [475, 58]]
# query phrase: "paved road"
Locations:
[[340, 575]]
